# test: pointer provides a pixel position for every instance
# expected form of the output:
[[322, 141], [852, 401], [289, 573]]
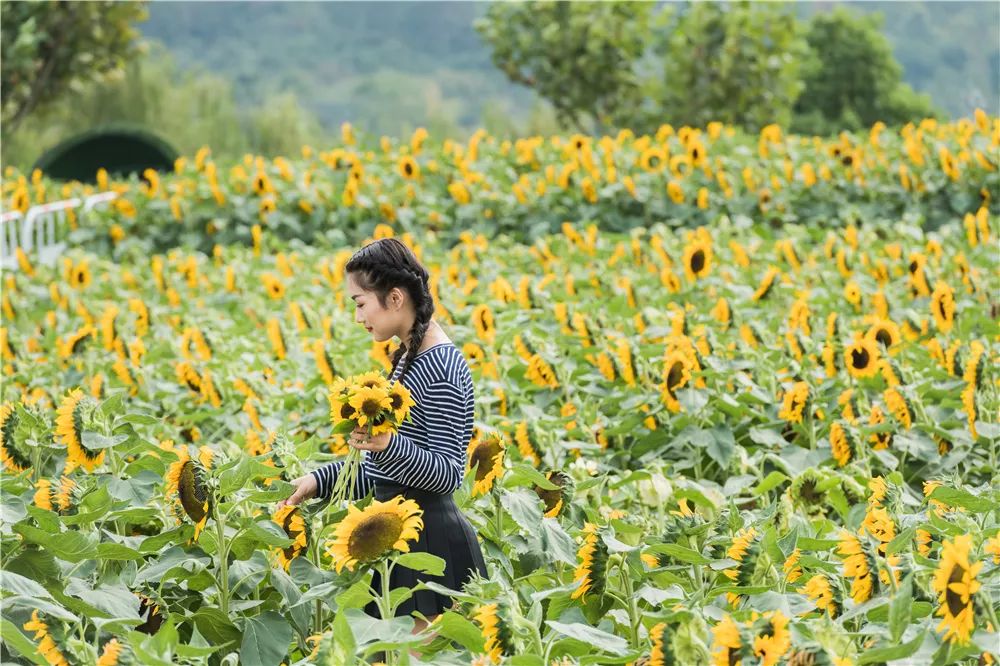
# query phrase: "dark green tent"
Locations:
[[119, 150]]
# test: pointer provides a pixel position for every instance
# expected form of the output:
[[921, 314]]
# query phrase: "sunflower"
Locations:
[[408, 168], [879, 524], [497, 635], [371, 379], [771, 638], [677, 373], [675, 192], [69, 427], [852, 293], [482, 320], [277, 338], [522, 437], [274, 287], [486, 456], [149, 611], [859, 564], [368, 404], [323, 363], [653, 159], [886, 333], [291, 521], [969, 405], [943, 307], [842, 443], [79, 275], [11, 457], [794, 402], [111, 654], [973, 373], [660, 654], [697, 260], [541, 373], [367, 535], [729, 647], [899, 406], [186, 485], [47, 646], [764, 288], [555, 499], [825, 593], [400, 402], [956, 584], [861, 357], [883, 439], [593, 556], [74, 342], [745, 550]]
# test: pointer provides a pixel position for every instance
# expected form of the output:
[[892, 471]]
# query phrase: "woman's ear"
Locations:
[[396, 298]]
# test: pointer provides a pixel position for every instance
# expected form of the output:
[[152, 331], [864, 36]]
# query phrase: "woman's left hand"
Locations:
[[361, 440]]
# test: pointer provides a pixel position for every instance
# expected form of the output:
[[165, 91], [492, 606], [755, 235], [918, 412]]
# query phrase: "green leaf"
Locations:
[[215, 626], [722, 446], [117, 551], [93, 440], [13, 637], [767, 437], [880, 655], [70, 546], [771, 481], [18, 584], [356, 596], [425, 562], [556, 543], [524, 507], [899, 608], [246, 470], [522, 474], [682, 553], [465, 633], [962, 498], [592, 636], [265, 640]]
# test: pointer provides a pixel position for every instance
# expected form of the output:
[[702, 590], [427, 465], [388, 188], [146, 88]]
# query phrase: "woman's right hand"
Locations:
[[305, 488]]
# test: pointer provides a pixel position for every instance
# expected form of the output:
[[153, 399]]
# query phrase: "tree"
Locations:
[[49, 47], [579, 56], [734, 62], [852, 79]]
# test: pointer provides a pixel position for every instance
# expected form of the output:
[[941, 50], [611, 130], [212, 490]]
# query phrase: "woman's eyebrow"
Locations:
[[355, 297]]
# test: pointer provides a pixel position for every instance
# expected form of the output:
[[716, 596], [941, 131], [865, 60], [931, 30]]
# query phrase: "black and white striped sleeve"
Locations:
[[439, 468], [326, 476]]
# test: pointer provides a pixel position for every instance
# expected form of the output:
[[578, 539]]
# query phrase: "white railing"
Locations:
[[41, 234]]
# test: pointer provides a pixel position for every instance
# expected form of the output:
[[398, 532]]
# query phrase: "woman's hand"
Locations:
[[361, 440], [305, 488]]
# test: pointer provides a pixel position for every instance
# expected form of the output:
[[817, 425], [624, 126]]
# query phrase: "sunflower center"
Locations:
[[371, 407], [860, 358], [952, 598], [674, 377], [884, 337], [374, 536], [698, 261], [396, 401], [484, 455], [192, 492]]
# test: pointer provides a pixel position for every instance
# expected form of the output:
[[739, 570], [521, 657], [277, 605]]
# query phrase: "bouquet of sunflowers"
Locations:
[[364, 401]]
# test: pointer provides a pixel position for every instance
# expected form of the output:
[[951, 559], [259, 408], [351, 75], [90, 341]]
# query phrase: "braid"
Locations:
[[388, 263]]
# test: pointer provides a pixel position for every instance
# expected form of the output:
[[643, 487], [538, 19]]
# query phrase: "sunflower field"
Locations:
[[737, 403]]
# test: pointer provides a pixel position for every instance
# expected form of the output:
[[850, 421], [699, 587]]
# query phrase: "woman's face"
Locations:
[[382, 322]]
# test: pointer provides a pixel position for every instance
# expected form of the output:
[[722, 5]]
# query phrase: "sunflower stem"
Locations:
[[633, 606], [222, 549], [385, 604], [498, 514]]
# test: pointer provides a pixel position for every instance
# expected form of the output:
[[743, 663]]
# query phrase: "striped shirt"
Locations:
[[429, 450]]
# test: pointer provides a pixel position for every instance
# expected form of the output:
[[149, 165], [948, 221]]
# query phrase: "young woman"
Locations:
[[425, 460]]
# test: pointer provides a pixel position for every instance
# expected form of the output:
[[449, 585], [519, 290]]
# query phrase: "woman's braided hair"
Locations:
[[387, 263]]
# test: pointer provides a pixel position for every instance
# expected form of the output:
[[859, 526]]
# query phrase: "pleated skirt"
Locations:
[[449, 535]]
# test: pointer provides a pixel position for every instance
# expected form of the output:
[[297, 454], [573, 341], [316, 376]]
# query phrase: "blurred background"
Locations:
[[269, 77]]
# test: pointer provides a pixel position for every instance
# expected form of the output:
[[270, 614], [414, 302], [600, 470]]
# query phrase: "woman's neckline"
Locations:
[[419, 354]]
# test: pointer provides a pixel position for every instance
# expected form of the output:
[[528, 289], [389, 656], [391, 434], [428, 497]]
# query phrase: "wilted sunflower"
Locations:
[[186, 484], [556, 498], [13, 460], [593, 556], [368, 403], [291, 521], [486, 455], [697, 259], [861, 357], [943, 307], [69, 427], [956, 584], [366, 535], [497, 635]]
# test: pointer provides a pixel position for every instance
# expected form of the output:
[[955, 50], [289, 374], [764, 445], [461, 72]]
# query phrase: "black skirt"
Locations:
[[449, 535]]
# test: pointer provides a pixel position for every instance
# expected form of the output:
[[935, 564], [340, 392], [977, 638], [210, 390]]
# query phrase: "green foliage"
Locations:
[[188, 109], [737, 63], [578, 56], [51, 47], [851, 79]]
